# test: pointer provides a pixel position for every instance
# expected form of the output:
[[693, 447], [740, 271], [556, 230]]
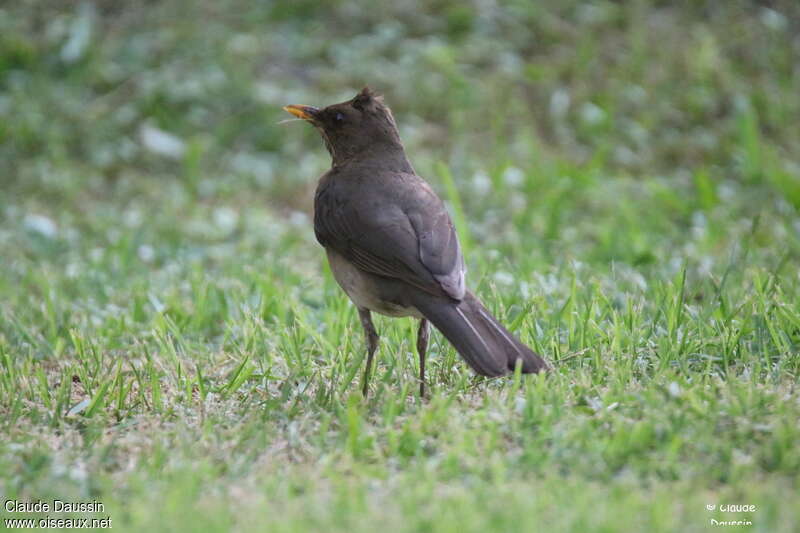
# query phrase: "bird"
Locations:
[[391, 244]]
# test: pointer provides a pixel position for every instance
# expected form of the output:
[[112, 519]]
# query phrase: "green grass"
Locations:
[[626, 180]]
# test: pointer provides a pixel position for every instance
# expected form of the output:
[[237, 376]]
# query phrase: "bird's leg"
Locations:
[[422, 348], [371, 337]]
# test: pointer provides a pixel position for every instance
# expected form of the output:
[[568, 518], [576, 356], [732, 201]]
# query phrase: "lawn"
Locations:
[[625, 179]]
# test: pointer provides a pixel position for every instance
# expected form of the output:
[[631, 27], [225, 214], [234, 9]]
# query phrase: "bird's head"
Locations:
[[356, 128]]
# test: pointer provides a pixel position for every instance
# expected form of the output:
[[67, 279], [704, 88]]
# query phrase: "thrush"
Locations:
[[391, 244]]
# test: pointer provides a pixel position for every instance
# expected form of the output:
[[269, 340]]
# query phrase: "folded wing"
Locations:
[[407, 235]]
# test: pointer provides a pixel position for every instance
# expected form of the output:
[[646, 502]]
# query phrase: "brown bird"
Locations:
[[390, 242]]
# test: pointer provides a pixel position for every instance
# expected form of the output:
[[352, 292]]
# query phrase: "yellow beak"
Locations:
[[306, 112]]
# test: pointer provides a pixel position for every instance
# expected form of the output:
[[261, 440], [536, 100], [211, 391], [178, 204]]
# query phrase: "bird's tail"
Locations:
[[488, 347]]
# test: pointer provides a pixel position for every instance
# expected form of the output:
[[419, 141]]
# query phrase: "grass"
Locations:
[[625, 179]]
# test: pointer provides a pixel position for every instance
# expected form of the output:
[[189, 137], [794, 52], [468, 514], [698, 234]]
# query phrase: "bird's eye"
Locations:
[[339, 117]]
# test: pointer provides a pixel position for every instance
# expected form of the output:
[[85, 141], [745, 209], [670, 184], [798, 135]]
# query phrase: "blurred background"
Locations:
[[608, 131], [625, 178]]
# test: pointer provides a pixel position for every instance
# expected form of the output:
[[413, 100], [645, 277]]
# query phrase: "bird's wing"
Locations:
[[402, 232]]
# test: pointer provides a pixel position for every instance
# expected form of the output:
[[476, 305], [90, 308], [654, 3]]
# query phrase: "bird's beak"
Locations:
[[306, 112]]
